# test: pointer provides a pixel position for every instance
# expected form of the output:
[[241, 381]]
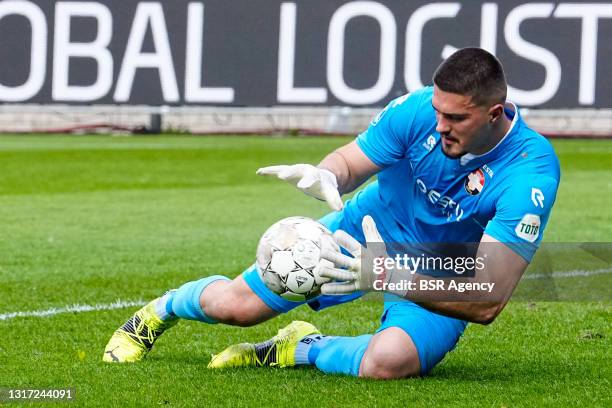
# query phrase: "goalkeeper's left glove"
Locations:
[[357, 273]]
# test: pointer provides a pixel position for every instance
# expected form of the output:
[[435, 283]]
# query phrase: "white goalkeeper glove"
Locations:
[[316, 182], [358, 273]]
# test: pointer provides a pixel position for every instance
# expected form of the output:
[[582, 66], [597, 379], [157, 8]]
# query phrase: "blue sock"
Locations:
[[308, 348], [184, 302], [333, 355]]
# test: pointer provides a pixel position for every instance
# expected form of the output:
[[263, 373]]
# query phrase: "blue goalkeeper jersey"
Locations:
[[423, 196]]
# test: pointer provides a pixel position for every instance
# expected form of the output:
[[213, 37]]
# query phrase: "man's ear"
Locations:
[[496, 112]]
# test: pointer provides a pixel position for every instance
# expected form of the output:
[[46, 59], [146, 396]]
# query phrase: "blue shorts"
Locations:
[[433, 335]]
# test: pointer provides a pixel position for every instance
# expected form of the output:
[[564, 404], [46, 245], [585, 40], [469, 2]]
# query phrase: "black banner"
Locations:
[[311, 52]]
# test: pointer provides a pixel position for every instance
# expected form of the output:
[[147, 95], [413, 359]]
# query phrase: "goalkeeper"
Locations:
[[455, 163]]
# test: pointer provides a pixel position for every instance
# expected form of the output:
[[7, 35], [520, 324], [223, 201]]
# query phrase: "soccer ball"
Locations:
[[288, 254]]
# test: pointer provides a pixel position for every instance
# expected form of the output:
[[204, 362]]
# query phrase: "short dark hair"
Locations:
[[474, 72]]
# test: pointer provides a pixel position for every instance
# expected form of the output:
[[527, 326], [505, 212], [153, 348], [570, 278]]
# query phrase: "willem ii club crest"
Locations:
[[474, 182]]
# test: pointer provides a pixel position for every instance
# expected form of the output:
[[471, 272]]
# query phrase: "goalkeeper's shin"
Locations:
[[338, 355], [185, 301]]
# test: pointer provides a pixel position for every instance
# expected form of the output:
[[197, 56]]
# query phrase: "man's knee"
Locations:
[[390, 354], [233, 302]]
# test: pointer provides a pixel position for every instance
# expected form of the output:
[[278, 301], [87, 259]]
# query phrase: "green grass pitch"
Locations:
[[92, 220]]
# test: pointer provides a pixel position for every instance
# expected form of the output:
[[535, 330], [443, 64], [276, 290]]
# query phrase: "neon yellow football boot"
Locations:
[[278, 351], [132, 341]]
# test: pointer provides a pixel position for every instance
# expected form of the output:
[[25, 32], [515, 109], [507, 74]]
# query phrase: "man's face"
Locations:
[[464, 126]]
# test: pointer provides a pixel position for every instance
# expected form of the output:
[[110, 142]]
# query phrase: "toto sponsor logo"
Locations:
[[528, 227]]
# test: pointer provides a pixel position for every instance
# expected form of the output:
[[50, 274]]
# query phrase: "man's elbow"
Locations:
[[487, 315]]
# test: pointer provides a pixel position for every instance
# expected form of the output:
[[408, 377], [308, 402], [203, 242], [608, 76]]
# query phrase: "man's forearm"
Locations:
[[471, 305], [475, 312], [479, 298], [350, 166], [337, 164]]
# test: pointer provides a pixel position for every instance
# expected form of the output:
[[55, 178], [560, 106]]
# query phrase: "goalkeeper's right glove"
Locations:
[[316, 182]]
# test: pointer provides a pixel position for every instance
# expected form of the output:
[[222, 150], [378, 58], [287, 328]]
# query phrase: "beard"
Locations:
[[453, 152]]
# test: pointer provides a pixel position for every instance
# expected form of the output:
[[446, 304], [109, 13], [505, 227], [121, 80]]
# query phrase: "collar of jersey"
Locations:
[[511, 111]]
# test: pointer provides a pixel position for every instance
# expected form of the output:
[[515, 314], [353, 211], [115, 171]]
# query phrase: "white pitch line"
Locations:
[[76, 308], [122, 304], [568, 274]]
